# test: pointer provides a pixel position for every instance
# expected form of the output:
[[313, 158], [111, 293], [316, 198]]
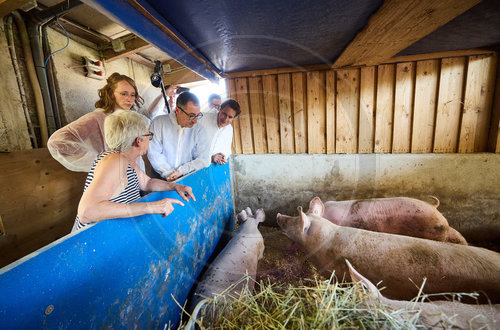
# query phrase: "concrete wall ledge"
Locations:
[[467, 185]]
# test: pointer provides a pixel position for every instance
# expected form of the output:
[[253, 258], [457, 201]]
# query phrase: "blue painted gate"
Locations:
[[121, 273]]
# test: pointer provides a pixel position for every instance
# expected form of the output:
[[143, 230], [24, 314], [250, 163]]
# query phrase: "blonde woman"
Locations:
[[115, 180]]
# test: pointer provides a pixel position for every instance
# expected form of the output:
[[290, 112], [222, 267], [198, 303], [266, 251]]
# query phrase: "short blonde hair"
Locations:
[[122, 127]]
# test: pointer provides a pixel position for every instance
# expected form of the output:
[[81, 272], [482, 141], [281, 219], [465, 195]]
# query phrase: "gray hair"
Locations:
[[122, 127]]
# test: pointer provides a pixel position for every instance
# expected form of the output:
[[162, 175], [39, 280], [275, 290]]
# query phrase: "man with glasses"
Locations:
[[179, 145], [214, 101], [219, 130]]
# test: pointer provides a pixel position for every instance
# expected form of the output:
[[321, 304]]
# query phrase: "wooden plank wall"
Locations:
[[438, 105], [38, 204]]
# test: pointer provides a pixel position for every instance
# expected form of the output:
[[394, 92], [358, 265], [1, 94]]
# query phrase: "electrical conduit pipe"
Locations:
[[40, 109]]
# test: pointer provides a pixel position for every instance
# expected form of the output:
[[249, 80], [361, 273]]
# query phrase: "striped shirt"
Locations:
[[130, 194]]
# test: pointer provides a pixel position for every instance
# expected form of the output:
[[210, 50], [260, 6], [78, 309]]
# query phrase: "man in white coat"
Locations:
[[179, 145], [214, 102], [220, 131]]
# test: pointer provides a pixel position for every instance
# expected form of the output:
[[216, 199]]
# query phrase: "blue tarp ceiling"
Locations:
[[234, 36]]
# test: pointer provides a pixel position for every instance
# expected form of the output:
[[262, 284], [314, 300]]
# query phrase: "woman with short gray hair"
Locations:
[[115, 180]]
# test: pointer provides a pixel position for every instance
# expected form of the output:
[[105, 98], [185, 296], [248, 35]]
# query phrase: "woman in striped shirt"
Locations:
[[115, 180]]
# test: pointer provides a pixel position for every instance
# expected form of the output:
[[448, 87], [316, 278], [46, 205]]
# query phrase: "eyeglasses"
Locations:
[[216, 106], [191, 116], [149, 135]]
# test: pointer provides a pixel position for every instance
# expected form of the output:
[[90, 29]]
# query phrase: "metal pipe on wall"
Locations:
[[51, 79], [37, 22], [17, 71], [37, 51], [30, 64]]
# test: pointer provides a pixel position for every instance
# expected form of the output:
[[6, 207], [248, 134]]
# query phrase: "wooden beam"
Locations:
[[8, 6], [494, 140], [384, 108], [367, 103], [285, 113], [478, 99], [403, 107], [449, 105], [179, 74], [397, 25], [299, 111], [439, 55], [132, 46], [141, 60], [424, 108], [346, 139], [267, 72], [257, 114], [231, 88], [398, 59]]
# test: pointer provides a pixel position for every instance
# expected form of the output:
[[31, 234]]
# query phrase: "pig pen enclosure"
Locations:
[[340, 100]]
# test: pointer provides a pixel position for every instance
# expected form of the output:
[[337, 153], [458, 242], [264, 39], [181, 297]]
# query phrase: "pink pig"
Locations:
[[398, 215], [437, 314], [403, 263]]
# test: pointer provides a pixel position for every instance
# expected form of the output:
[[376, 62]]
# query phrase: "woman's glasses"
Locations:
[[149, 135]]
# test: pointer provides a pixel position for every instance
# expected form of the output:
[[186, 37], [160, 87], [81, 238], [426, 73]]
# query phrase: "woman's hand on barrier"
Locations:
[[185, 192], [165, 206]]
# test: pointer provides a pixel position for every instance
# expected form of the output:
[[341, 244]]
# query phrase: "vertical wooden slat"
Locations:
[[367, 110], [347, 111], [330, 111], [285, 113], [384, 108], [299, 113], [316, 117], [494, 139], [449, 105], [257, 114], [231, 87], [403, 105], [425, 104], [477, 103], [244, 117], [270, 89]]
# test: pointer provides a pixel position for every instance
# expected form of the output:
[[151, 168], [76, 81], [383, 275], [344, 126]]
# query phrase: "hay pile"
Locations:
[[314, 305]]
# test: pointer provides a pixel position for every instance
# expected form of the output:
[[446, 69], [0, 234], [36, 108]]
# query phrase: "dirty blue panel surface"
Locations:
[[121, 273]]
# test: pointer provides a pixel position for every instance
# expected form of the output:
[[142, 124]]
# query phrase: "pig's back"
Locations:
[[394, 259], [398, 215]]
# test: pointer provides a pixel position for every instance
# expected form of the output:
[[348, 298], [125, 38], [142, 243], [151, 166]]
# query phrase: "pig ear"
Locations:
[[260, 216], [357, 277], [316, 207], [304, 219], [242, 217]]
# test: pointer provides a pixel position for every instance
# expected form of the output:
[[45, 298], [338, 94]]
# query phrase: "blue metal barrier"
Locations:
[[121, 273]]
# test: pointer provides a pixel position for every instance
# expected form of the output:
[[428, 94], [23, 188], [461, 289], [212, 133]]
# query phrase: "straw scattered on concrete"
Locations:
[[314, 305]]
